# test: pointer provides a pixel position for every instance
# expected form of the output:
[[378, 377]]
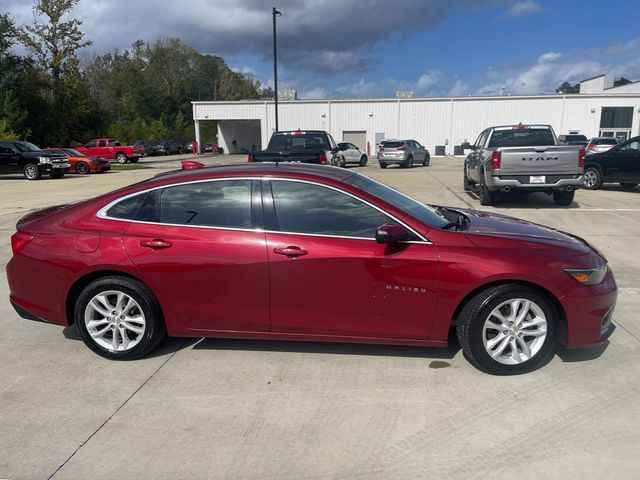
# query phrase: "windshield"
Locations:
[[73, 153], [522, 137], [417, 210], [26, 147], [295, 140]]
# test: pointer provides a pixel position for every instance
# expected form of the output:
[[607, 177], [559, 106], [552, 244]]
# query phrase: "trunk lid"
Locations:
[[552, 159]]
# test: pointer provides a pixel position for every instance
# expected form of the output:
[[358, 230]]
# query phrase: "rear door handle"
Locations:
[[156, 243], [291, 251]]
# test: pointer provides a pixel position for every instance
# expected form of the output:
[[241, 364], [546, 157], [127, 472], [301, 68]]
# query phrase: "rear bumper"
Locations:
[[558, 182], [589, 311], [24, 313], [393, 161]]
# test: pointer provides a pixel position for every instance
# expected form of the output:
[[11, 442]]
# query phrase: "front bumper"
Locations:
[[553, 182], [589, 313]]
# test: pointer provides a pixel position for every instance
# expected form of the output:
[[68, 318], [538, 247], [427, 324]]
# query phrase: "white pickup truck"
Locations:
[[523, 157]]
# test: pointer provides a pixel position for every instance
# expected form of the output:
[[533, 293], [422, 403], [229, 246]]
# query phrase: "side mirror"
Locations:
[[392, 233], [468, 146]]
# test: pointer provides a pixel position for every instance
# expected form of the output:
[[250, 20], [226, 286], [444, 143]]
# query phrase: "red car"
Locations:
[[80, 163], [304, 252]]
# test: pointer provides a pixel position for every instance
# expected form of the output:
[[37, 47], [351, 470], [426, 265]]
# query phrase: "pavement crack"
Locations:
[[113, 414]]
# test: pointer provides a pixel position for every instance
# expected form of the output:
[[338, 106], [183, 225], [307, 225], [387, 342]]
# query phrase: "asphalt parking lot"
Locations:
[[239, 409]]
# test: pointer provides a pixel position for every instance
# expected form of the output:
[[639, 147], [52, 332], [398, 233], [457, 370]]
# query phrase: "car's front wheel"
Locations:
[[592, 179], [121, 158], [363, 161], [119, 318], [507, 329], [82, 168], [31, 172]]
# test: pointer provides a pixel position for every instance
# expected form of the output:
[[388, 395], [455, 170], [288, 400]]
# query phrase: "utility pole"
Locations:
[[275, 14]]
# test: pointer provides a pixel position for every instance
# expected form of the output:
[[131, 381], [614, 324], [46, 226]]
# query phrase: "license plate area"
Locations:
[[537, 179]]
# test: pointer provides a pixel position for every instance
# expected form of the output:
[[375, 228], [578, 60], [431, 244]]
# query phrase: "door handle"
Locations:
[[290, 251], [156, 243]]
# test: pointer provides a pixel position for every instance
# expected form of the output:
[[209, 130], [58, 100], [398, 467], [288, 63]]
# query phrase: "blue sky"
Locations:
[[371, 48]]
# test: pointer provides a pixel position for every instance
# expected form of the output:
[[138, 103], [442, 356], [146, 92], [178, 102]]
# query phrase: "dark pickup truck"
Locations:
[[308, 146], [26, 158]]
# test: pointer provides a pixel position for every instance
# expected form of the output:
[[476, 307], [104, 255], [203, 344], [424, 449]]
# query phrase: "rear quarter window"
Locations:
[[127, 208]]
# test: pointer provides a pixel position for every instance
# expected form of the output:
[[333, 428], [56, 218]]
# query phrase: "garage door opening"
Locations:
[[239, 136]]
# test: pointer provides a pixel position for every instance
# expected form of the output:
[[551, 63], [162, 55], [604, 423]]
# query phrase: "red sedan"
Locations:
[[304, 252], [81, 163]]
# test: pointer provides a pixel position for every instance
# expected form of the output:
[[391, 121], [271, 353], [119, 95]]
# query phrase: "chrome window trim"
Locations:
[[102, 213]]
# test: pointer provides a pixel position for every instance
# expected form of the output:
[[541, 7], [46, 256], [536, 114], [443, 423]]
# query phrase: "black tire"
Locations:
[[426, 161], [486, 196], [31, 172], [408, 163], [628, 186], [343, 162], [121, 158], [383, 165], [563, 198], [363, 161], [134, 159], [467, 185], [56, 176], [154, 329], [471, 322], [82, 168], [592, 178]]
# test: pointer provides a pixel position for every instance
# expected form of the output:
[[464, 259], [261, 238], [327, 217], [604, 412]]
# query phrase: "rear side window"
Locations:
[[128, 208], [305, 208], [530, 137], [213, 204], [286, 141]]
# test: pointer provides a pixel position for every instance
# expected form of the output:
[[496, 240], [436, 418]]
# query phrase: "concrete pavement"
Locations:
[[240, 409]]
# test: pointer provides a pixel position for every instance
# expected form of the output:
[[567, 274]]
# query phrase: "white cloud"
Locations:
[[459, 89], [314, 93], [526, 7], [429, 79], [360, 89]]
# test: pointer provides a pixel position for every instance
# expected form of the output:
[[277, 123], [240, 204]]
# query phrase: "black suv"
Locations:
[[26, 158], [168, 147]]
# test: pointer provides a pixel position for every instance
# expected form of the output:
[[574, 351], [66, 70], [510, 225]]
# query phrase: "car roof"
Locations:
[[257, 169]]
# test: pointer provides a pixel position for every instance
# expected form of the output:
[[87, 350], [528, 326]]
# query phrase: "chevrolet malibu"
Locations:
[[305, 252]]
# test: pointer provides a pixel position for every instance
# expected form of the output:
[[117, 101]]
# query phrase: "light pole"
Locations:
[[275, 14]]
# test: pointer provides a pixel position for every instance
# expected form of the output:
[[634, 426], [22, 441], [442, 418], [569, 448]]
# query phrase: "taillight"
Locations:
[[250, 158], [496, 157], [581, 155], [19, 240], [322, 158], [591, 146], [402, 149]]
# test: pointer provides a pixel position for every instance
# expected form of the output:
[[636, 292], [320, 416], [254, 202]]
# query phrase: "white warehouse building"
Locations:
[[441, 124]]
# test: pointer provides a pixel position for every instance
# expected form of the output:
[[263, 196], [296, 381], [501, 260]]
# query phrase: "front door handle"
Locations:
[[156, 243], [290, 251]]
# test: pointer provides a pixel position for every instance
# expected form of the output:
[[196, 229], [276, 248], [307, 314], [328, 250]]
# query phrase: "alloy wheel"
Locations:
[[514, 331], [590, 179]]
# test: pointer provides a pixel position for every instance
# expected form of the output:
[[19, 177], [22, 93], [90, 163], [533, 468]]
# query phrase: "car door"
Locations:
[[353, 153], [629, 160], [102, 149], [330, 277], [421, 151], [9, 161], [199, 245], [474, 159]]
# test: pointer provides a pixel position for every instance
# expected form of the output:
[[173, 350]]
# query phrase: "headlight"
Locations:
[[44, 160], [588, 276]]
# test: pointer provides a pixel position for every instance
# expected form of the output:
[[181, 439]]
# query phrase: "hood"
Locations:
[[42, 153], [491, 230]]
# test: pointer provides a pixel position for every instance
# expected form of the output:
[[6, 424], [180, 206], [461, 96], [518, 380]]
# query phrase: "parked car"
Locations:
[[148, 147], [309, 146], [168, 147], [352, 154], [405, 153], [600, 144], [111, 149], [254, 251], [573, 139], [522, 157], [619, 164], [28, 159], [81, 163]]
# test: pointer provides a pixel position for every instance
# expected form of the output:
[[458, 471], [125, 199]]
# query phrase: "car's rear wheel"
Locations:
[[563, 197], [507, 329], [466, 183], [628, 186], [121, 157], [119, 318], [408, 163], [383, 165], [31, 172], [363, 161], [82, 168], [592, 180]]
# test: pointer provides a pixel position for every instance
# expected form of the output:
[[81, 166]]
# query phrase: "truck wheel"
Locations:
[[82, 168], [507, 329], [592, 180], [363, 161], [466, 184], [121, 158], [628, 186], [486, 196], [563, 198], [31, 172]]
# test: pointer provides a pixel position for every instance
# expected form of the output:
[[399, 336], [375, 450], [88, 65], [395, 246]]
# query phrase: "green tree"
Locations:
[[566, 87], [618, 82]]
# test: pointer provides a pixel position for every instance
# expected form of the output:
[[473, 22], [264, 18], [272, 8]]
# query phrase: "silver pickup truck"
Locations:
[[522, 157]]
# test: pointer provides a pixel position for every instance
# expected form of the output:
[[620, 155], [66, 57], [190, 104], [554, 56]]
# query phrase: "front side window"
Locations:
[[91, 144], [313, 209], [213, 204], [631, 146]]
